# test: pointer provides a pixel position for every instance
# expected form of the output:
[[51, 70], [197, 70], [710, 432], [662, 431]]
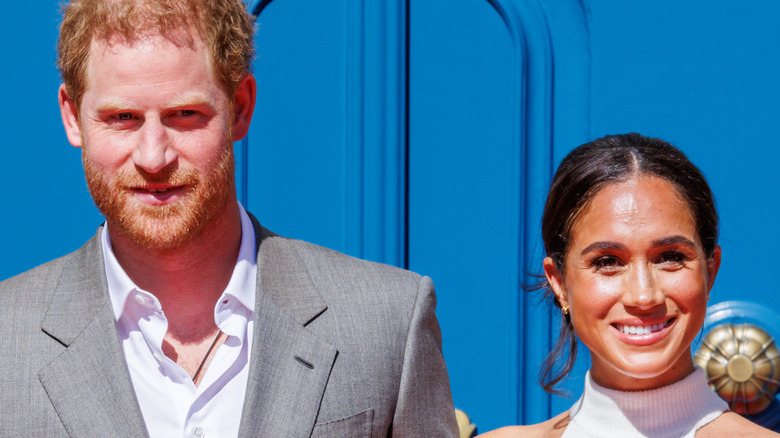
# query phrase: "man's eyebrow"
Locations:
[[111, 105], [673, 240], [597, 246], [194, 100]]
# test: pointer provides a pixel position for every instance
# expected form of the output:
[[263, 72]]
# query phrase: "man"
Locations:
[[183, 316]]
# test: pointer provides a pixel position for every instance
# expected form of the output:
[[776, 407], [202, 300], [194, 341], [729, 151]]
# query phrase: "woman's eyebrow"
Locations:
[[674, 240], [596, 246], [665, 241]]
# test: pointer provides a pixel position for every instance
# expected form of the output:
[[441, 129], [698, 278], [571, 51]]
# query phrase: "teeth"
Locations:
[[642, 329]]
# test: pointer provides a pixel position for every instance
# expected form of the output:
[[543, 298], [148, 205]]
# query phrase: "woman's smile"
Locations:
[[641, 334]]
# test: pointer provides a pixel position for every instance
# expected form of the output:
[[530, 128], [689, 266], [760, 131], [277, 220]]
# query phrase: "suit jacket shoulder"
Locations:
[[388, 374], [26, 299], [337, 274], [32, 288], [63, 372]]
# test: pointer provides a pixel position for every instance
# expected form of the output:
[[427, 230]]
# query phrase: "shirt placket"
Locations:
[[153, 327], [232, 321]]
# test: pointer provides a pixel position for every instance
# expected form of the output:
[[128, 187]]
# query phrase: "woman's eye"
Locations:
[[605, 262], [671, 257]]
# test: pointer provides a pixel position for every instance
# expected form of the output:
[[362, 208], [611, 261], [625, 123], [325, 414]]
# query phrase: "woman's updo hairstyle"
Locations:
[[583, 173]]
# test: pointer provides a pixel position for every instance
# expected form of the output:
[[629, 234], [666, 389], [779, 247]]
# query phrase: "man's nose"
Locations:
[[641, 289], [153, 152]]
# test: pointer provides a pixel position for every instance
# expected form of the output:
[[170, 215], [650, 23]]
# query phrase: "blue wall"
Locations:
[[46, 209]]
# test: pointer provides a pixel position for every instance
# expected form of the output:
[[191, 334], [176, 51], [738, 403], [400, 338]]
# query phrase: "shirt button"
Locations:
[[198, 432], [140, 299]]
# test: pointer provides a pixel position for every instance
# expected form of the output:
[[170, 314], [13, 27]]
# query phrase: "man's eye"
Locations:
[[185, 113], [124, 116]]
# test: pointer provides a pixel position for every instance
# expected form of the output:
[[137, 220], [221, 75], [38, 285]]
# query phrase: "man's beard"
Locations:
[[163, 226]]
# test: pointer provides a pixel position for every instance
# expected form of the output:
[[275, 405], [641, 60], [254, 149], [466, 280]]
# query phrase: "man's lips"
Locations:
[[158, 194]]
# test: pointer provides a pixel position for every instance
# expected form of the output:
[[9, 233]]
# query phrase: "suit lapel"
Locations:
[[290, 366], [88, 384]]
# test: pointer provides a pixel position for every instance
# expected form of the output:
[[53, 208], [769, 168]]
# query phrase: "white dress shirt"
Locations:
[[170, 402]]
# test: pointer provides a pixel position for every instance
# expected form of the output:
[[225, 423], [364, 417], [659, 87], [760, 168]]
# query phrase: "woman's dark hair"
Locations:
[[583, 173]]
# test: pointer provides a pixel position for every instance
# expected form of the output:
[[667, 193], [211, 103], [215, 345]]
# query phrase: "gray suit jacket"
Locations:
[[342, 347]]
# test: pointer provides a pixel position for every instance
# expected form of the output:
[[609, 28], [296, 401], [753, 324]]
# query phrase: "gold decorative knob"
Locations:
[[467, 430], [742, 364]]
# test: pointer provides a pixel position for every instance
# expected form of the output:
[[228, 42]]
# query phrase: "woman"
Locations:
[[630, 230]]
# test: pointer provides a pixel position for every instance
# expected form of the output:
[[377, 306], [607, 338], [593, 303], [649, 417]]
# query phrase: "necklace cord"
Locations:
[[203, 362]]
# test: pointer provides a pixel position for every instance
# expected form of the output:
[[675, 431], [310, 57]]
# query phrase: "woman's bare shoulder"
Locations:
[[551, 428], [730, 425], [533, 430]]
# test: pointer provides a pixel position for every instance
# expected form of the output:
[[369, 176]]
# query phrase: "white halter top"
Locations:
[[672, 411]]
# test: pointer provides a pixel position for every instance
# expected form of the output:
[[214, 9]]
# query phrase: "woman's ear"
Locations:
[[555, 280], [713, 265], [70, 117]]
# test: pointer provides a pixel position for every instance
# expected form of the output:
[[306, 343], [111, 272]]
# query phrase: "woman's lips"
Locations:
[[643, 333]]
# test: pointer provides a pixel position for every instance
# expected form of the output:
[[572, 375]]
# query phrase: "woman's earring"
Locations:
[[565, 310]]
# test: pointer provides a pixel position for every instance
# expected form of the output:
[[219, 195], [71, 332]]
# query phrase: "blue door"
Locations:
[[46, 209], [423, 133]]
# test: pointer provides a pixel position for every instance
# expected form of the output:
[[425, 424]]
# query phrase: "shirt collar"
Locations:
[[242, 282]]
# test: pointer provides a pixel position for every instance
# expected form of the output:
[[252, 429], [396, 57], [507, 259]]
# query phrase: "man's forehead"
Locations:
[[119, 61], [102, 48]]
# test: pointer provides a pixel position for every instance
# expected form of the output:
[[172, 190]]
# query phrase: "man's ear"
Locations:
[[70, 117], [555, 280], [244, 106]]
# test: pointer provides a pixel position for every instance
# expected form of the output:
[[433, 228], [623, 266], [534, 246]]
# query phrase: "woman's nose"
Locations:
[[641, 288]]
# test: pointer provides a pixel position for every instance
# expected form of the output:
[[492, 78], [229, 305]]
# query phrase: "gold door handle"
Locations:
[[742, 364]]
